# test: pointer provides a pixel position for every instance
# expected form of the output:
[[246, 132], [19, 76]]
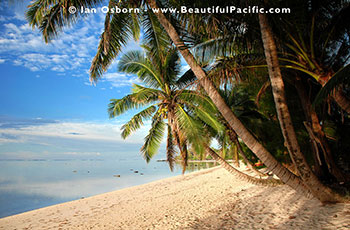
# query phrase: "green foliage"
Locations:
[[50, 16], [228, 49], [137, 121], [153, 139], [339, 79]]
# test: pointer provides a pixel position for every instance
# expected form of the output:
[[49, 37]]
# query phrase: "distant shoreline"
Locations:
[[197, 161]]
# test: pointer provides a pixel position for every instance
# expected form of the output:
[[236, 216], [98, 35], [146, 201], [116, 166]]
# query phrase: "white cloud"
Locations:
[[58, 69], [109, 132], [70, 53], [2, 60], [71, 50], [120, 79], [33, 68]]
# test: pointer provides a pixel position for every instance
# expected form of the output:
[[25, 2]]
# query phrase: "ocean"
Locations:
[[31, 184]]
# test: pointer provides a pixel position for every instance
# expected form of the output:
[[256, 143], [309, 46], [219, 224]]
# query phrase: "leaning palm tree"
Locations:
[[310, 180], [317, 188], [284, 174], [51, 16]]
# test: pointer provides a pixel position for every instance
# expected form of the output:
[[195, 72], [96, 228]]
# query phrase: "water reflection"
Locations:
[[28, 185], [195, 166]]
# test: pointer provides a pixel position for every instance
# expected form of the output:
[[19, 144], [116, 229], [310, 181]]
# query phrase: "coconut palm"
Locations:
[[319, 56], [285, 175], [299, 160], [110, 44], [161, 99], [287, 129]]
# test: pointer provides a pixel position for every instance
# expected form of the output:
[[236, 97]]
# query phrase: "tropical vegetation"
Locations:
[[274, 86]]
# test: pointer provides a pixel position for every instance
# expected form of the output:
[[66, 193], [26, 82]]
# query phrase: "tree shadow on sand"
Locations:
[[259, 209]]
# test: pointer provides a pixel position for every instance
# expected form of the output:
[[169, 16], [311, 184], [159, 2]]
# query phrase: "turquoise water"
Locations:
[[30, 184]]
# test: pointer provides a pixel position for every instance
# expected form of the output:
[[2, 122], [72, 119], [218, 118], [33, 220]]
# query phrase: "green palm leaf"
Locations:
[[340, 78], [171, 66], [120, 106], [170, 149], [209, 119], [195, 98], [135, 62], [187, 78], [118, 31], [52, 15], [154, 36], [191, 128], [137, 121], [146, 95], [153, 139]]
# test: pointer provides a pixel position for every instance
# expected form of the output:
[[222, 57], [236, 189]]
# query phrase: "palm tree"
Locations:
[[113, 34], [311, 51], [318, 56], [309, 178], [285, 175], [162, 98], [110, 44], [288, 131]]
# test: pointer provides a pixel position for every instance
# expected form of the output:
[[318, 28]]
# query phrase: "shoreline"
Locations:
[[206, 199]]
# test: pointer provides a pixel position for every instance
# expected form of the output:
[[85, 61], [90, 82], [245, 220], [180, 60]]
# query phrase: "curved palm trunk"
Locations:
[[234, 139], [239, 174], [241, 153], [320, 191], [274, 166]]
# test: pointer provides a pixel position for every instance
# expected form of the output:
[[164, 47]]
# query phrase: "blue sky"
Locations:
[[48, 108]]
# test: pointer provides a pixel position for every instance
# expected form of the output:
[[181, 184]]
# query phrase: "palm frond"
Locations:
[[145, 94], [119, 106], [184, 156], [187, 78], [190, 127], [207, 51], [190, 97], [118, 31], [50, 16], [171, 66], [137, 121], [135, 62], [170, 149], [340, 78], [209, 119], [155, 37], [153, 139]]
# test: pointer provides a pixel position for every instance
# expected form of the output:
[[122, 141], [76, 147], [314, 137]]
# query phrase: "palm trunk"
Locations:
[[316, 130], [274, 166], [234, 139], [235, 150], [320, 191], [178, 139], [239, 174]]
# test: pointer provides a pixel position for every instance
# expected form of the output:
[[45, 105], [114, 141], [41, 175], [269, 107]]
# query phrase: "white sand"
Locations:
[[209, 199]]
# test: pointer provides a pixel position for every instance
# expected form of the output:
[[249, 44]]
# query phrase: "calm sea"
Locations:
[[31, 184]]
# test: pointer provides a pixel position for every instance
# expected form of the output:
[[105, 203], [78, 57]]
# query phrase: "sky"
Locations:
[[48, 107]]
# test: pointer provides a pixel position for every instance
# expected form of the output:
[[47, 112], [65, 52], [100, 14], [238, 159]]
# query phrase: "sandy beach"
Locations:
[[208, 199]]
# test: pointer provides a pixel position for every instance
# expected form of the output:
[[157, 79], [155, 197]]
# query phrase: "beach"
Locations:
[[207, 199]]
